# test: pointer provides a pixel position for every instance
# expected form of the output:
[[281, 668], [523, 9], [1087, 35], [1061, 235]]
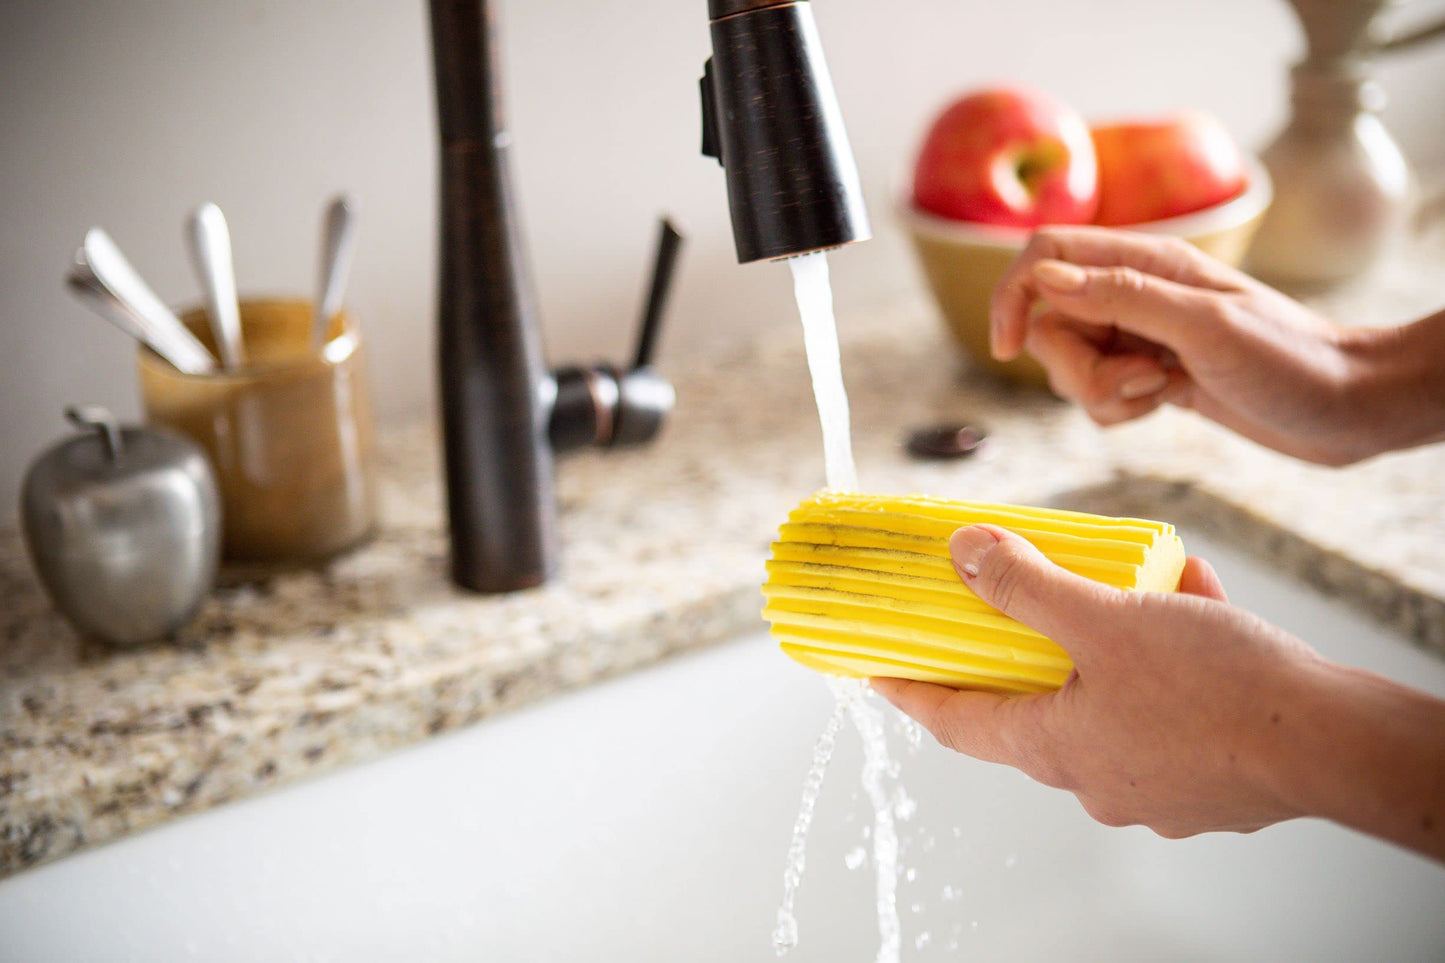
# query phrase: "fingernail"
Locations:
[[1060, 275], [968, 546], [1141, 386]]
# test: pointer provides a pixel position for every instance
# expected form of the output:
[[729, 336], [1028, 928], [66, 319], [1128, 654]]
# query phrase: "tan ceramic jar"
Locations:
[[289, 433]]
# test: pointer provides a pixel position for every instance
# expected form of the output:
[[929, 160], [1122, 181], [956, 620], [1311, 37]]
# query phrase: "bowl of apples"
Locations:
[[998, 164]]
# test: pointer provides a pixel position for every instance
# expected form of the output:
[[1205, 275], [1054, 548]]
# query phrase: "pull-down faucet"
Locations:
[[771, 118]]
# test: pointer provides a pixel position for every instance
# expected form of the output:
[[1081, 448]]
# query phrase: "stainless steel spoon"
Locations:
[[338, 243], [107, 282], [99, 300], [209, 241]]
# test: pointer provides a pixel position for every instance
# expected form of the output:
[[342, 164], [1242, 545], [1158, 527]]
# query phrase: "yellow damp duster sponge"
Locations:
[[862, 585]]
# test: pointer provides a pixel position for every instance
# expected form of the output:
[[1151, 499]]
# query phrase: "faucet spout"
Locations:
[[771, 118]]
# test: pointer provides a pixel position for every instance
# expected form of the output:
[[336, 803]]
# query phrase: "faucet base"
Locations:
[[498, 461]]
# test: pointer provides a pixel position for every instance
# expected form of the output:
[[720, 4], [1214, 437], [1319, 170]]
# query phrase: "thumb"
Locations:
[[1014, 577]]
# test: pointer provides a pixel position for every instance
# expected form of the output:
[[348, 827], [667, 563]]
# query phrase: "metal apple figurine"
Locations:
[[123, 527]]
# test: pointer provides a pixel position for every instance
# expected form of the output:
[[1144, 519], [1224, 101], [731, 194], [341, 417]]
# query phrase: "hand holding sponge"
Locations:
[[862, 585]]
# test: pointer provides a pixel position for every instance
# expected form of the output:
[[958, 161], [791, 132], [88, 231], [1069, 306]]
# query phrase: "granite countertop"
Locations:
[[663, 551]]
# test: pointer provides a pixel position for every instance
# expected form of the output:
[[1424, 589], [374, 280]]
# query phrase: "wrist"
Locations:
[[1360, 750], [1291, 739], [1276, 753], [1394, 385]]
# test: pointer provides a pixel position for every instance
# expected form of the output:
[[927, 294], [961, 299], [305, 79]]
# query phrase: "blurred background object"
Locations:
[[116, 110], [123, 526], [1343, 183], [289, 434], [209, 240]]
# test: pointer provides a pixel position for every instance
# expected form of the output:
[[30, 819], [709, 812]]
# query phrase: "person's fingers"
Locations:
[[1124, 408], [1010, 574], [1084, 365], [983, 725], [1014, 296], [1199, 578], [1165, 312], [1068, 357], [1079, 371]]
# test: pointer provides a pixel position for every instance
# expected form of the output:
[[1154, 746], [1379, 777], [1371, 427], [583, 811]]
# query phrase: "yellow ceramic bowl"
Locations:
[[963, 261]]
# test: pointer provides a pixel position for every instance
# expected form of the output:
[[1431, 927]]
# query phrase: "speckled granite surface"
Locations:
[[663, 551]]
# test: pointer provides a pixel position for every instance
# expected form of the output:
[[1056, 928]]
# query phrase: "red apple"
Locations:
[[1010, 157], [1157, 169]]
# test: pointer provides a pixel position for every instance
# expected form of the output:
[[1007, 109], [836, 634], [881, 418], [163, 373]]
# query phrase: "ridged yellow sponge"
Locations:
[[862, 585]]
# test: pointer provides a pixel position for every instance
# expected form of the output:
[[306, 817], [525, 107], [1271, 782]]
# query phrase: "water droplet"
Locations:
[[812, 786], [949, 893], [785, 937], [912, 732], [1010, 862], [922, 940], [916, 908], [855, 857], [868, 720], [911, 875]]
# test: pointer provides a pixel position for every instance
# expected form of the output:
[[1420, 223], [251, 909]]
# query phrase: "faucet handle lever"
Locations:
[[600, 405], [644, 397], [669, 246]]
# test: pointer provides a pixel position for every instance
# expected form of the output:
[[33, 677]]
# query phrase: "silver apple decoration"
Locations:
[[123, 527]]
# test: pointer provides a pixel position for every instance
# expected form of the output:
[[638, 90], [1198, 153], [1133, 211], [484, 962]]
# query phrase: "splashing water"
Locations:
[[785, 936], [851, 701], [820, 339], [867, 719]]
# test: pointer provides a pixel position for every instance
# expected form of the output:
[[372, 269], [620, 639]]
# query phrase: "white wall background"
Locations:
[[125, 113]]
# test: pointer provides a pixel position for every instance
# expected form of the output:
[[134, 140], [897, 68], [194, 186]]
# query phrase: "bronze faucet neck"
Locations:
[[504, 414], [718, 9]]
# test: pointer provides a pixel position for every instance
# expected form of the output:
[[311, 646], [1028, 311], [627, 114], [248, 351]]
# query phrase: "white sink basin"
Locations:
[[647, 819]]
